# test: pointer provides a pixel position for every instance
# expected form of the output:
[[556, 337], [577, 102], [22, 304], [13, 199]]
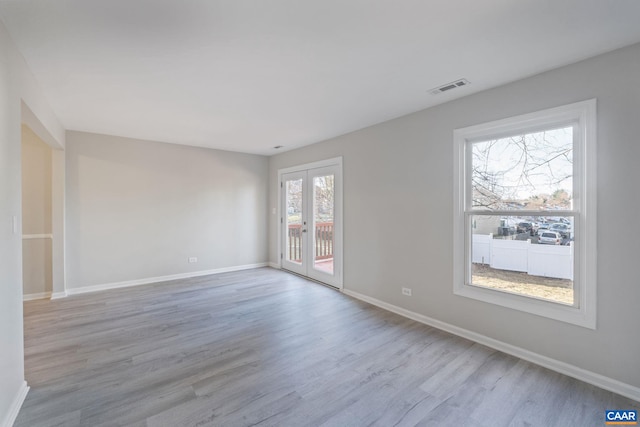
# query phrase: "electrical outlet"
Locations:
[[193, 259], [406, 291]]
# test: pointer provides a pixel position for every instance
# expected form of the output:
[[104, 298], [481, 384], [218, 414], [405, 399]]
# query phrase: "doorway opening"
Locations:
[[42, 221], [37, 234]]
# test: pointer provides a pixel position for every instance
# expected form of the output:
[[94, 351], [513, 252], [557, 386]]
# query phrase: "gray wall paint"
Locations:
[[398, 205], [139, 209], [36, 213], [17, 86], [11, 356]]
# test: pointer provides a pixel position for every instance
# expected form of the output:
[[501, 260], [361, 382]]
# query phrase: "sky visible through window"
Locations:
[[528, 168]]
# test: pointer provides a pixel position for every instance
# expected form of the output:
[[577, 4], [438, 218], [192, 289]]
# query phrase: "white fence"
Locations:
[[518, 255]]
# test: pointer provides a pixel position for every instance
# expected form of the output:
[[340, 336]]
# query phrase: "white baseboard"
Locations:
[[39, 295], [148, 280], [57, 295], [274, 265], [11, 416], [593, 378]]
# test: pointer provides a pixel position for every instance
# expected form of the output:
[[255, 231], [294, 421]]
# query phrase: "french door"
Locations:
[[311, 223]]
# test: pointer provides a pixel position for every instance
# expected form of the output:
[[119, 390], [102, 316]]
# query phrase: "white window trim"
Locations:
[[585, 273]]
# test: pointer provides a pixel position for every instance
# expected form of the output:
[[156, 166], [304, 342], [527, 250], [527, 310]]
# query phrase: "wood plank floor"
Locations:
[[265, 348]]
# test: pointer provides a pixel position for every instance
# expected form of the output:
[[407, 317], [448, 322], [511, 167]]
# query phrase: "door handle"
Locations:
[[304, 230]]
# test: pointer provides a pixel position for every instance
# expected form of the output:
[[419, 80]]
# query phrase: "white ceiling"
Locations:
[[246, 75]]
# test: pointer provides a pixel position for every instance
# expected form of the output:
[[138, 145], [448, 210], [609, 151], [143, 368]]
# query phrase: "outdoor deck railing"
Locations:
[[323, 241]]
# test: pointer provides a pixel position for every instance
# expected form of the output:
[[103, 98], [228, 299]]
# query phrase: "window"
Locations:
[[524, 213]]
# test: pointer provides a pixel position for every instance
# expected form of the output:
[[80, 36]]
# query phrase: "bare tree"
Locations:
[[294, 200], [323, 189], [508, 170]]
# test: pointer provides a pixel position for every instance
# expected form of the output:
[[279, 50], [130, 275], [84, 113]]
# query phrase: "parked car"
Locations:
[[550, 238], [542, 226], [561, 228], [525, 227]]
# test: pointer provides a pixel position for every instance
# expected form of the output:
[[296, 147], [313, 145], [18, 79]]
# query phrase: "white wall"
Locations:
[[139, 209], [17, 85], [398, 181]]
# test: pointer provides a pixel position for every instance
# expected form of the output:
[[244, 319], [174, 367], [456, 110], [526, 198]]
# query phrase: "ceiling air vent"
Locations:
[[450, 86]]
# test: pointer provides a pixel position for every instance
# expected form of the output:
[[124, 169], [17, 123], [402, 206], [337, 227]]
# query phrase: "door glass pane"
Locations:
[[525, 255], [323, 236], [293, 249]]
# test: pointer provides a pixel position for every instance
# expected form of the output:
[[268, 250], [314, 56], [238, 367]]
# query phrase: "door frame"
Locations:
[[336, 162]]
